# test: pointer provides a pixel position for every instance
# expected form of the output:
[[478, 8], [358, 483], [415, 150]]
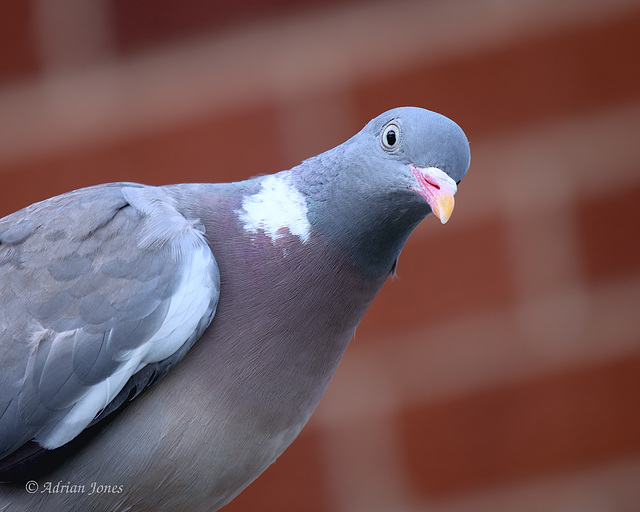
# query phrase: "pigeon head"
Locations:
[[369, 193], [410, 149]]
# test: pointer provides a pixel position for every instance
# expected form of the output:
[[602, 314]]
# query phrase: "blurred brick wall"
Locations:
[[501, 369]]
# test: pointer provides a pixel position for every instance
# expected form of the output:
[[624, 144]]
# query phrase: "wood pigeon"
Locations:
[[161, 346]]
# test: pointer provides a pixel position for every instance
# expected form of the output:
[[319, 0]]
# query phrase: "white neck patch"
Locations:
[[276, 207]]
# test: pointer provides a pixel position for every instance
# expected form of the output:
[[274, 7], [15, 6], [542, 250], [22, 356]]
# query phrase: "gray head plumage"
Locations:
[[369, 193]]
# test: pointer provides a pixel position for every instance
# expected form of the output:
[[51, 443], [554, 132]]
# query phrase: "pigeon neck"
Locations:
[[368, 224]]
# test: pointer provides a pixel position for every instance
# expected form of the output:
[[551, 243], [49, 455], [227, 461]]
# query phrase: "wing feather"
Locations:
[[95, 286]]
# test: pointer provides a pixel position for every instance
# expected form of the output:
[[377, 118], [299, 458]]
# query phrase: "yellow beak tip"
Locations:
[[443, 207]]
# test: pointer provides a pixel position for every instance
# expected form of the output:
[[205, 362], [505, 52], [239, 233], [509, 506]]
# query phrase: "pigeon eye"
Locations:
[[391, 137]]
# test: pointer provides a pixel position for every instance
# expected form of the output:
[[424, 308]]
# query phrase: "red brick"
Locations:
[[295, 482], [231, 147], [558, 422], [18, 52], [443, 273], [145, 23], [529, 81], [609, 230]]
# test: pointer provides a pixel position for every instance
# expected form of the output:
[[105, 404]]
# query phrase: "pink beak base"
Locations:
[[438, 190]]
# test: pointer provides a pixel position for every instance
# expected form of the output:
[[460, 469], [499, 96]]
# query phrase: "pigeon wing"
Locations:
[[102, 291]]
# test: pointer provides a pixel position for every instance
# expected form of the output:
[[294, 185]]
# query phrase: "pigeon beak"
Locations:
[[437, 188]]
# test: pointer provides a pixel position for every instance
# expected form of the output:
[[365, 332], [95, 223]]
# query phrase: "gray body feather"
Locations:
[[104, 290]]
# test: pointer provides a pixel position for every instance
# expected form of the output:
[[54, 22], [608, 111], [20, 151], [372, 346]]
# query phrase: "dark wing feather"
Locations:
[[90, 290]]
